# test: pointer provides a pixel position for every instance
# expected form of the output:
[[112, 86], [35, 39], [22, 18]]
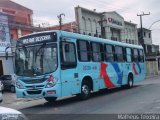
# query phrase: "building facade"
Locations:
[[108, 25], [19, 17], [15, 21], [6, 66], [149, 48], [70, 27]]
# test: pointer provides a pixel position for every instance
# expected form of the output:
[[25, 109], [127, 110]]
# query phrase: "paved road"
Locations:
[[143, 98]]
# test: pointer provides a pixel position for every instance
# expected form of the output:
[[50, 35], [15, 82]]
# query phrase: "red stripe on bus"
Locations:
[[104, 75], [134, 69]]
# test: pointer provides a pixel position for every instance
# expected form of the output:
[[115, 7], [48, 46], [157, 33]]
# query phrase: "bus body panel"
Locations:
[[70, 80]]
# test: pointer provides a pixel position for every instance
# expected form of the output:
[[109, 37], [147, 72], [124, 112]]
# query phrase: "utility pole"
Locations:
[[60, 20], [143, 14], [101, 25]]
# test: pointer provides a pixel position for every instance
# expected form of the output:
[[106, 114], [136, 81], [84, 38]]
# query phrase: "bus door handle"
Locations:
[[65, 81]]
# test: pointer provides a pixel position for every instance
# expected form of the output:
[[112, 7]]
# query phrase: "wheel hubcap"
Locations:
[[85, 89], [130, 83], [12, 89]]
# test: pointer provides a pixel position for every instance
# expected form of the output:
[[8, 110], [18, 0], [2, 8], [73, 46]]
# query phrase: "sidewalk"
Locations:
[[152, 79]]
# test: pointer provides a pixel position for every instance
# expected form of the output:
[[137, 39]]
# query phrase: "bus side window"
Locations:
[[83, 49], [135, 55], [124, 54], [129, 54], [68, 55], [119, 53], [97, 55], [141, 56], [109, 53]]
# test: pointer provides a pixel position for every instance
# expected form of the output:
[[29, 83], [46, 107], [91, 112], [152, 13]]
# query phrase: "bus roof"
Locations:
[[96, 39], [88, 38]]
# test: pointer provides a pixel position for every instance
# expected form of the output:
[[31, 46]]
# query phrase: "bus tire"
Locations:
[[85, 90], [130, 81], [12, 89], [50, 99]]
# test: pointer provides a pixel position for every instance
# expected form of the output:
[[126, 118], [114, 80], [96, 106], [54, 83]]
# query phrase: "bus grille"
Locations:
[[34, 92], [32, 81]]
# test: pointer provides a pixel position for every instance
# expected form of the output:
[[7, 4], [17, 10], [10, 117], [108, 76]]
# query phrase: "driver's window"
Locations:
[[68, 54]]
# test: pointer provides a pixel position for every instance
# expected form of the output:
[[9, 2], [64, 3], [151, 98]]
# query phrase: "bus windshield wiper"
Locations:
[[42, 46]]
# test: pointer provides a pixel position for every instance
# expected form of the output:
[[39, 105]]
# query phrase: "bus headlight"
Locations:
[[19, 85], [51, 81]]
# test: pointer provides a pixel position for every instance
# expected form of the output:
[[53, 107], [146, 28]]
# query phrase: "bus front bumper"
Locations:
[[39, 93]]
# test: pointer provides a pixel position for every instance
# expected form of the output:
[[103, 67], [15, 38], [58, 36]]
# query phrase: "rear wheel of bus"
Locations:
[[50, 99], [130, 81]]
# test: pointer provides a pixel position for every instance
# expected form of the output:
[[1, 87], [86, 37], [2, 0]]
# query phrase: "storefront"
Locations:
[[6, 66]]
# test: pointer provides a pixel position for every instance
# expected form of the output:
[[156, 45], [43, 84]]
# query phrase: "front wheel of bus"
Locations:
[[50, 99], [85, 91]]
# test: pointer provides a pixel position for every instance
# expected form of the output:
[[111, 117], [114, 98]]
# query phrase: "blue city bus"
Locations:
[[55, 64]]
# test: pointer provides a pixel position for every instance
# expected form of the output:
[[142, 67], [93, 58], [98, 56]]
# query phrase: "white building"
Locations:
[[109, 25]]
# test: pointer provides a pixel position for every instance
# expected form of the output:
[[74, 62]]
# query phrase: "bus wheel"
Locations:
[[12, 88], [85, 90], [130, 82], [50, 99]]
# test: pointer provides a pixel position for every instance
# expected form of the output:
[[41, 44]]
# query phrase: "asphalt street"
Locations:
[[143, 98]]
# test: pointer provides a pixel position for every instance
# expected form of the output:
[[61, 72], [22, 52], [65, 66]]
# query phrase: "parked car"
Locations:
[[8, 82], [11, 114], [8, 113]]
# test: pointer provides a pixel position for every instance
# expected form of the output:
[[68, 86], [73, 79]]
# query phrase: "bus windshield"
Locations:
[[36, 60]]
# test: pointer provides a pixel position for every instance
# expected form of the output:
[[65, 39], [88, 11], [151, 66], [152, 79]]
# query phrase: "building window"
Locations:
[[127, 41], [144, 34], [139, 34], [95, 35], [149, 35]]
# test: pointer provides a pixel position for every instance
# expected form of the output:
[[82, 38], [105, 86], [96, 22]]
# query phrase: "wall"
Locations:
[[6, 66], [113, 25], [130, 33], [17, 12], [19, 18], [152, 68], [88, 21]]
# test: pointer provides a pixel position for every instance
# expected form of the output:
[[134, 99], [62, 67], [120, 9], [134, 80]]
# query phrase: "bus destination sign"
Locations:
[[36, 39]]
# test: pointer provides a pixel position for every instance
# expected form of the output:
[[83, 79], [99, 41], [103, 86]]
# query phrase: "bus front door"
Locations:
[[69, 75]]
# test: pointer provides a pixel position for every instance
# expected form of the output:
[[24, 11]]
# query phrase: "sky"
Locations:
[[45, 12]]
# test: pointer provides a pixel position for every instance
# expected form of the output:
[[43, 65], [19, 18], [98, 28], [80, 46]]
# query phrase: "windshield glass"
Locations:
[[36, 60]]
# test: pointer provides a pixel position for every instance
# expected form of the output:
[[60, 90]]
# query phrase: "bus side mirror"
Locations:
[[6, 52], [7, 55]]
